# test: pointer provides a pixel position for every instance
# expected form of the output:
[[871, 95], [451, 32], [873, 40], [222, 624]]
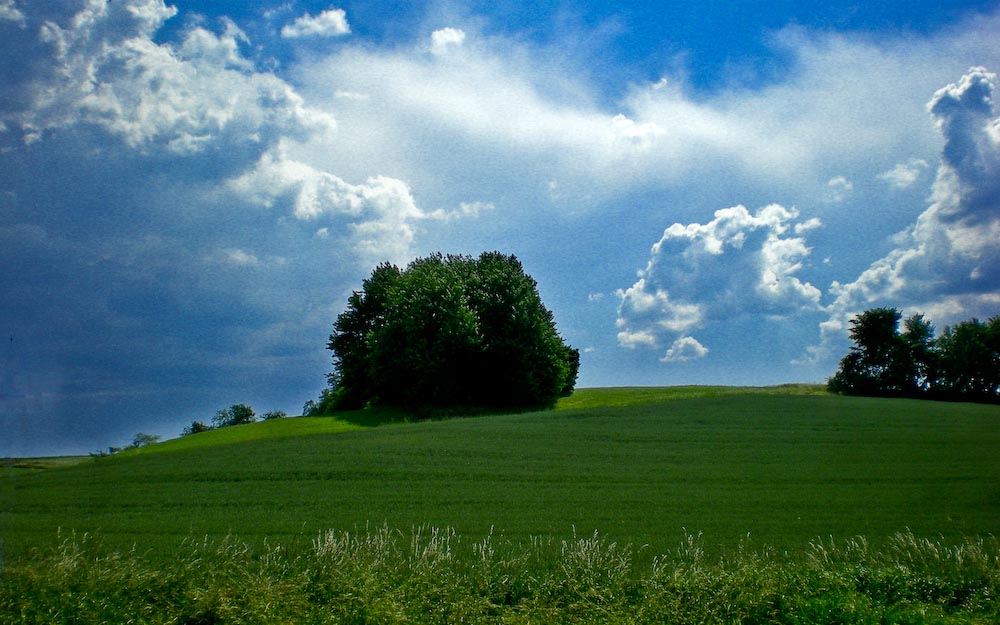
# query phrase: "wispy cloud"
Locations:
[[906, 174]]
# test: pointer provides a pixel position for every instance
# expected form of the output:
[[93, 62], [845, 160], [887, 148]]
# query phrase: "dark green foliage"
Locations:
[[448, 332], [142, 439], [963, 364], [195, 428], [274, 414], [969, 360], [237, 414]]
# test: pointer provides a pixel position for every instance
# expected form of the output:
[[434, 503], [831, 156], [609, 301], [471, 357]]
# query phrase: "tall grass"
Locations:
[[433, 575]]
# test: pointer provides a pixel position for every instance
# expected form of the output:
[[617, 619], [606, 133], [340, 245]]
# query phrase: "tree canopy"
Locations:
[[963, 363], [448, 332]]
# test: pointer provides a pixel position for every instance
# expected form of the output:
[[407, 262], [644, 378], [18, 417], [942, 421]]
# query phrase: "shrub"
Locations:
[[237, 414], [195, 428]]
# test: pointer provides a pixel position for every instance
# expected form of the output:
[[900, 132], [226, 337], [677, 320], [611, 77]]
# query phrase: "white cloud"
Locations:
[[202, 95], [10, 12], [685, 349], [445, 39], [640, 338], [700, 274], [329, 23], [240, 258], [906, 174], [465, 210], [380, 212], [949, 260], [839, 188]]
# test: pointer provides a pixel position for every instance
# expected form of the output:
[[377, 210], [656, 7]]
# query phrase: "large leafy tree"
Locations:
[[969, 362], [873, 366], [449, 331]]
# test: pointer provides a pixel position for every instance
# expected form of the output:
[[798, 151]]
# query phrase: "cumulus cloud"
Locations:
[[739, 263], [445, 39], [947, 264], [906, 174], [839, 188], [684, 349], [381, 213], [106, 71], [329, 23]]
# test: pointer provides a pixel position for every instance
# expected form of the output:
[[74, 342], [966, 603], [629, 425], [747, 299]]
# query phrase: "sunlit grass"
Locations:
[[617, 397], [781, 468]]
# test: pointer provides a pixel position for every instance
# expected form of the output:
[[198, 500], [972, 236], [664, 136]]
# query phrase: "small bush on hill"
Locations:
[[195, 428], [237, 414]]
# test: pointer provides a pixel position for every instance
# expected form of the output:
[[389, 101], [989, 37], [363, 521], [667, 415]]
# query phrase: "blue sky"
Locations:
[[705, 192]]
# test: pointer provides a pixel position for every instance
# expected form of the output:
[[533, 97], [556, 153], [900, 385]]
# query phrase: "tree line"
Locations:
[[961, 364], [237, 414]]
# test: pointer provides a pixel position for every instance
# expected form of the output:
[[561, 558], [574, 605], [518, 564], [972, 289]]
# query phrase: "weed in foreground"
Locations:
[[433, 575]]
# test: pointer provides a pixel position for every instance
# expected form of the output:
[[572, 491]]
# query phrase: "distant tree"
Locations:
[[237, 414], [449, 331], [274, 414], [195, 428], [964, 363], [142, 439]]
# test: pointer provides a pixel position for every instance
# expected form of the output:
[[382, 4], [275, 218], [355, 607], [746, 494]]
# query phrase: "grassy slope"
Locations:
[[640, 465]]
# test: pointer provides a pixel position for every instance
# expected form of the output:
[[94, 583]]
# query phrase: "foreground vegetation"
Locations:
[[435, 576], [714, 505]]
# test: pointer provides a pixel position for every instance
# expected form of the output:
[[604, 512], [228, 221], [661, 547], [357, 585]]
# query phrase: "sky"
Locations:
[[705, 192]]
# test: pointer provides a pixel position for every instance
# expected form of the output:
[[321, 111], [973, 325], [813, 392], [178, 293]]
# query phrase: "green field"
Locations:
[[696, 505], [781, 466]]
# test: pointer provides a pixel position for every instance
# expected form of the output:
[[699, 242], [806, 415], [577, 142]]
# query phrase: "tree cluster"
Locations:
[[448, 332], [237, 414], [962, 364]]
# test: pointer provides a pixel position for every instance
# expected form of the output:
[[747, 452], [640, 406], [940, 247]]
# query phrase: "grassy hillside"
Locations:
[[641, 466]]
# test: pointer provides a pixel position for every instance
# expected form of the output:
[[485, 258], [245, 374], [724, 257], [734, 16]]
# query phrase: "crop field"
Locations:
[[640, 467], [627, 475]]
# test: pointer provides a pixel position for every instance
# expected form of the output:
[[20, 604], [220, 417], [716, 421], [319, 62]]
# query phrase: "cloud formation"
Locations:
[[444, 39], [104, 70], [186, 200], [905, 175], [947, 264], [329, 23], [739, 263]]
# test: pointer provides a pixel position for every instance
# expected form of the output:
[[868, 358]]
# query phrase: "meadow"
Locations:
[[618, 506]]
